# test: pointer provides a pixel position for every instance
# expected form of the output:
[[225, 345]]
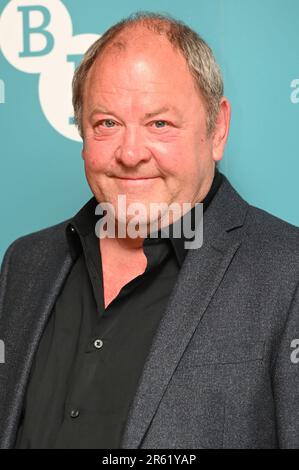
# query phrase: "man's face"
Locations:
[[144, 126]]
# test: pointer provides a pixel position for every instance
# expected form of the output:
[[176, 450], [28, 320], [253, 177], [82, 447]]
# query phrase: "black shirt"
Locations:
[[90, 359]]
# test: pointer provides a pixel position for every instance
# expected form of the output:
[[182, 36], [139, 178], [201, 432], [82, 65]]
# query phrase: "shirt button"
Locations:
[[74, 413], [98, 343], [72, 228]]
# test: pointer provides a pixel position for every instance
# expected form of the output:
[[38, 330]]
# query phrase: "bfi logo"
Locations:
[[36, 36]]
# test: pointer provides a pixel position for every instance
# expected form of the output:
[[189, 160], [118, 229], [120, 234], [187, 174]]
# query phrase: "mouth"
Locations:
[[136, 181], [136, 178]]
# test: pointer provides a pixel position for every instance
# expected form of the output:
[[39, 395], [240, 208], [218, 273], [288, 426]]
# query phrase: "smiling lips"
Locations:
[[136, 181], [135, 178]]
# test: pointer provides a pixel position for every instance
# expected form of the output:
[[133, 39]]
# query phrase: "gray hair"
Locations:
[[198, 55]]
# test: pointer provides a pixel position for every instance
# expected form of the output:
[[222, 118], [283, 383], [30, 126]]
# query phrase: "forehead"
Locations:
[[142, 63]]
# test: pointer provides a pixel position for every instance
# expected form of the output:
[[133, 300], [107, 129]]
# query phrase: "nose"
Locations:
[[132, 149]]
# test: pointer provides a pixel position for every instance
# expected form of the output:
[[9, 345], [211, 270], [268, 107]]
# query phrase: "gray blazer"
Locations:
[[223, 369]]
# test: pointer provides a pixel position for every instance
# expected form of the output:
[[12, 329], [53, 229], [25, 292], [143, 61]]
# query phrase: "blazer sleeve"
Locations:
[[4, 273], [286, 379]]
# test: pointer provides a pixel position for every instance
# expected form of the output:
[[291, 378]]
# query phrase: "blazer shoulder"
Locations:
[[261, 227], [272, 232], [31, 246]]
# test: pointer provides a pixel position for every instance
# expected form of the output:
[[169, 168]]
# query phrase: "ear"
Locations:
[[221, 130], [82, 152]]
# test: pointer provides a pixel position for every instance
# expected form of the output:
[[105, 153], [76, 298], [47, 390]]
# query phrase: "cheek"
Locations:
[[97, 154], [176, 158], [170, 156]]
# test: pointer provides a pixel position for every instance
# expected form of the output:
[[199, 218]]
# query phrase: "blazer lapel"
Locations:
[[22, 326], [197, 282]]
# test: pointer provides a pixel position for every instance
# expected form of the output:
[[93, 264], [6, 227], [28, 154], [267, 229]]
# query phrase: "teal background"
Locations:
[[256, 43]]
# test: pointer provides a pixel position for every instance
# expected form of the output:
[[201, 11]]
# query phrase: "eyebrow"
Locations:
[[164, 109], [99, 109]]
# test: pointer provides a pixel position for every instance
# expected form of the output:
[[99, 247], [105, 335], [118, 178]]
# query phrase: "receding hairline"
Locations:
[[123, 40], [131, 31]]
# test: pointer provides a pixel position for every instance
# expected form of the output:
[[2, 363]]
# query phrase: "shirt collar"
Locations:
[[85, 220], [178, 243]]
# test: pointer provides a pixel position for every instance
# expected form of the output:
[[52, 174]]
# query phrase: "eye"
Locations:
[[108, 123], [160, 124], [105, 124]]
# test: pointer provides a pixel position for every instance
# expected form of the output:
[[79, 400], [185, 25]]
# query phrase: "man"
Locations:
[[139, 342]]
